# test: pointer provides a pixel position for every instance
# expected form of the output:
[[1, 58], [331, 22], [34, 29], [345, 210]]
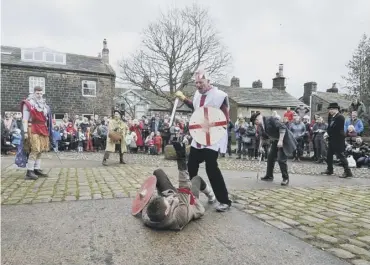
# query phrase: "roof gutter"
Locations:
[[58, 69]]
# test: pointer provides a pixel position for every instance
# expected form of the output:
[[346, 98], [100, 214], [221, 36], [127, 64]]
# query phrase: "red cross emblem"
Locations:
[[206, 125]]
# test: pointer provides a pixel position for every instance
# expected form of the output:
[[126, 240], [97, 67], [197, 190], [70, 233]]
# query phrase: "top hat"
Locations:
[[333, 106]]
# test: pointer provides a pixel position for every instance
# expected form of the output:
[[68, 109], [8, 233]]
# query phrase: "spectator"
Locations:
[[289, 114], [319, 129], [357, 123], [301, 110], [358, 106], [298, 129]]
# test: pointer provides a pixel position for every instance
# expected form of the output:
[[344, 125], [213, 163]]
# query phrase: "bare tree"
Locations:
[[358, 79], [172, 49]]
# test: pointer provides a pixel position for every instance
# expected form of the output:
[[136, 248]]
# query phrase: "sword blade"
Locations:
[[58, 157], [174, 111]]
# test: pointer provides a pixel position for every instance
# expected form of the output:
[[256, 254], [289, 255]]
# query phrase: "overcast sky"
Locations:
[[312, 38]]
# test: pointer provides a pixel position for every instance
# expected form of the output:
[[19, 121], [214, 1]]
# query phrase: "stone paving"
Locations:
[[69, 184], [307, 168], [335, 219]]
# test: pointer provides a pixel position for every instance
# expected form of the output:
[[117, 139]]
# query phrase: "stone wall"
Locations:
[[63, 90]]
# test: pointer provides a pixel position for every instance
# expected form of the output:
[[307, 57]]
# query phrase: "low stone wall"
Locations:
[[170, 153]]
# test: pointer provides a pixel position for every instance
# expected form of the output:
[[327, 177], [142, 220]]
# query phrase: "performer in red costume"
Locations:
[[37, 125], [207, 95], [137, 127]]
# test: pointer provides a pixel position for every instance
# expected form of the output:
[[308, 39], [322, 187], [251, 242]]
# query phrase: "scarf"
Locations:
[[38, 104]]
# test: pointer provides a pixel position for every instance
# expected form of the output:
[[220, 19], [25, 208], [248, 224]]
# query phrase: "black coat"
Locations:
[[336, 133], [272, 129]]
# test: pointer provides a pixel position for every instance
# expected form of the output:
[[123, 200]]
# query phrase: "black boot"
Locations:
[[267, 178], [347, 173], [327, 172], [121, 161], [285, 182], [31, 175], [38, 172]]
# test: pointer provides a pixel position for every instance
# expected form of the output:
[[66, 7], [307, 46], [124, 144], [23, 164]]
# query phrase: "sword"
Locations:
[[174, 111], [58, 157]]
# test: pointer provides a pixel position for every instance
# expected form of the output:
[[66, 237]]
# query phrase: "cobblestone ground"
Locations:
[[69, 184], [335, 219], [307, 168]]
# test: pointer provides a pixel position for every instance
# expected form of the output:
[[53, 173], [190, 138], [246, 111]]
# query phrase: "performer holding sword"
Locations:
[[208, 96]]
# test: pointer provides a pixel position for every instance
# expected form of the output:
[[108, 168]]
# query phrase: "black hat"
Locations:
[[333, 106]]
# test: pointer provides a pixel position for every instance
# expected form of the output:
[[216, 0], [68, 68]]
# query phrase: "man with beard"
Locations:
[[174, 208], [283, 144], [207, 95], [336, 136], [37, 126], [116, 126]]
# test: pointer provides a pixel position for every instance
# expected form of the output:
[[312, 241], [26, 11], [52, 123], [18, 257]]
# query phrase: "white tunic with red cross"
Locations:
[[212, 98]]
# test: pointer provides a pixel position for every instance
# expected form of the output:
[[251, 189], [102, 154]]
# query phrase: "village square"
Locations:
[[181, 141]]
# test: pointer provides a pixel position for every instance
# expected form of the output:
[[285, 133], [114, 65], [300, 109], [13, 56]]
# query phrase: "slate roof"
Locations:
[[156, 102], [341, 99], [74, 62], [260, 97]]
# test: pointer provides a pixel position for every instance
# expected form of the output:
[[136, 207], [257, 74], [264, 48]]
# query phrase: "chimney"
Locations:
[[333, 89], [257, 84], [279, 81], [309, 88], [235, 82], [105, 52]]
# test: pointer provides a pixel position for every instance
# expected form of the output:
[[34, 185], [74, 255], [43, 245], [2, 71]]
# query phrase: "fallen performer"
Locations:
[[174, 208]]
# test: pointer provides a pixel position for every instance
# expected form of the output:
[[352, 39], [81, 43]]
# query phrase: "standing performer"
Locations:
[[174, 208], [37, 126], [207, 95], [336, 136], [282, 145], [116, 126]]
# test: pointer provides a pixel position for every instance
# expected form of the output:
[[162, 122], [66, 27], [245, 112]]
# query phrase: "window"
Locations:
[[58, 116], [38, 56], [43, 56], [49, 57], [36, 81], [89, 116], [88, 88], [28, 56], [319, 107], [140, 108]]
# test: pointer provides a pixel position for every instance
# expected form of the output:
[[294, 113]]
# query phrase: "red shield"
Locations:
[[143, 195], [207, 125]]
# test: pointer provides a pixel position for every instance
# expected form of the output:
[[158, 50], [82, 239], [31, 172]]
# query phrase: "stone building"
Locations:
[[72, 83], [247, 100], [243, 100], [319, 101], [137, 102]]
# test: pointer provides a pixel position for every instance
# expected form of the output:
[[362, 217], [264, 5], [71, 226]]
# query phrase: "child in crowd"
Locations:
[[158, 142]]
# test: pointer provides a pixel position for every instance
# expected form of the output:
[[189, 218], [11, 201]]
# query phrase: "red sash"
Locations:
[[187, 191], [38, 123]]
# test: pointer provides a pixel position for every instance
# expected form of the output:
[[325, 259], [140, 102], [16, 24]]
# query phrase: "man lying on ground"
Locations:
[[174, 208]]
